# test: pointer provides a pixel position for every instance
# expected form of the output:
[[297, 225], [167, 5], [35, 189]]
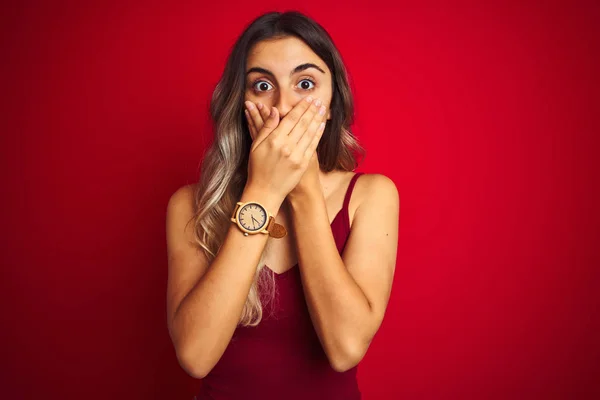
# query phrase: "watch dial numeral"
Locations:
[[253, 217]]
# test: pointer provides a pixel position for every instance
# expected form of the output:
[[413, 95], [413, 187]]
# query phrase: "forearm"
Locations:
[[208, 316], [340, 312]]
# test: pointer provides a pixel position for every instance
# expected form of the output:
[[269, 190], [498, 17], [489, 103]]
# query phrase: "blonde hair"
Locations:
[[224, 166]]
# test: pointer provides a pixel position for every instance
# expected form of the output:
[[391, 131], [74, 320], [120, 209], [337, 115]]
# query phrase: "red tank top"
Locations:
[[282, 357]]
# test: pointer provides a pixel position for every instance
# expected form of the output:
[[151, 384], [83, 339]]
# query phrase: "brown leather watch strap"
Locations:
[[276, 230]]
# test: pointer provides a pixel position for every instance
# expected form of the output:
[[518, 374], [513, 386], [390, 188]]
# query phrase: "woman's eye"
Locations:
[[262, 86], [306, 84]]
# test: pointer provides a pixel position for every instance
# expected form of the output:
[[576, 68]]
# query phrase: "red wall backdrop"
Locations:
[[485, 115]]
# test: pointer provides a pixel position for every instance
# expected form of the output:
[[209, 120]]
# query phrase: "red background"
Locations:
[[485, 116]]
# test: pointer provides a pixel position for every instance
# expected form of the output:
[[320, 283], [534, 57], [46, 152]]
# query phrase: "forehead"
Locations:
[[282, 55]]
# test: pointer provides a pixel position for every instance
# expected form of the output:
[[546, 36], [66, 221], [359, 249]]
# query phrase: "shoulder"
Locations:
[[377, 181], [181, 203], [374, 193], [182, 196], [376, 188]]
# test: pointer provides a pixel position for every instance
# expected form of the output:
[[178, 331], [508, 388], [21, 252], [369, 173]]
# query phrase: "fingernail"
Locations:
[[249, 105], [309, 99], [322, 110], [259, 106], [318, 102], [322, 126]]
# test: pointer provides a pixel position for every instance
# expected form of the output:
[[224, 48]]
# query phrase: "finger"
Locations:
[[304, 122], [292, 118], [269, 126], [251, 127], [264, 114], [254, 115], [311, 117], [314, 143], [313, 129]]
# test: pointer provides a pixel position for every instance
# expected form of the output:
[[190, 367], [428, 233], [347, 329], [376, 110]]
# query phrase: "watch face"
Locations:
[[253, 217]]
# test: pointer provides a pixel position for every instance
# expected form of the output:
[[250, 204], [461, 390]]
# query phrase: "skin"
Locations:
[[346, 294], [284, 87]]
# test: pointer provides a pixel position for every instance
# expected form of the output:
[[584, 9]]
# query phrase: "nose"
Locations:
[[286, 100]]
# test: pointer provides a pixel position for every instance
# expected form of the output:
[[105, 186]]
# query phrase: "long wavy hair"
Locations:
[[224, 168]]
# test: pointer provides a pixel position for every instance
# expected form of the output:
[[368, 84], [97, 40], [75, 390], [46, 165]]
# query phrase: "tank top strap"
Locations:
[[349, 191], [345, 212], [341, 226]]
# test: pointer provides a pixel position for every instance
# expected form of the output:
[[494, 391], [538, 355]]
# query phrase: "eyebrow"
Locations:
[[299, 68]]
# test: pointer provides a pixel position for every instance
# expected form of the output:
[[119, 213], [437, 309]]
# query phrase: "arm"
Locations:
[[347, 296], [204, 304]]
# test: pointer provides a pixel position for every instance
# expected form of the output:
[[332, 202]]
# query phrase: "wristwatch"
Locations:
[[252, 217]]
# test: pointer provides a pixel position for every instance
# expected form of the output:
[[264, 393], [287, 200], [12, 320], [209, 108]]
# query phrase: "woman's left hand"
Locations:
[[309, 183]]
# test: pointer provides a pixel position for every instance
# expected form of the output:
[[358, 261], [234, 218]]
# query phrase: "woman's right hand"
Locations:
[[281, 149]]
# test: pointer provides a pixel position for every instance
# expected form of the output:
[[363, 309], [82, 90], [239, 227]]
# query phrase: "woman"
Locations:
[[280, 259]]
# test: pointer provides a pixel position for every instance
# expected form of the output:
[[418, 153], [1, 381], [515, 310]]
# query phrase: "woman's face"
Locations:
[[281, 72]]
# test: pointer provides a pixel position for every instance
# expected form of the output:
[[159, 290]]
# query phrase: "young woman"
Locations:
[[281, 259]]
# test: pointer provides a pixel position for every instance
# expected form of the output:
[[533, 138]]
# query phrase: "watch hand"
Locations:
[[254, 220]]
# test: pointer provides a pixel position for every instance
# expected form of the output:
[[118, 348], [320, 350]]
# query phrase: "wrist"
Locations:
[[272, 202], [303, 199]]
